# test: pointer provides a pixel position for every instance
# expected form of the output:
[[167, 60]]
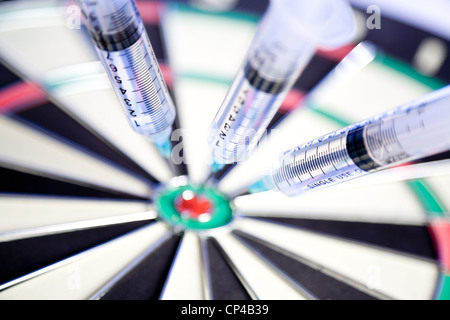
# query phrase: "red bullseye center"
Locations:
[[192, 205]]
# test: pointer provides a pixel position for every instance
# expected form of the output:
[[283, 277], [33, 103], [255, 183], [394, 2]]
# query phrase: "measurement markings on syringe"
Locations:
[[315, 161], [332, 156], [146, 84], [231, 117], [296, 168], [124, 48], [121, 87]]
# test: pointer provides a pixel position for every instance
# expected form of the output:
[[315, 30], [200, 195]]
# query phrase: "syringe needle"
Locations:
[[410, 132], [209, 181], [124, 48], [284, 42]]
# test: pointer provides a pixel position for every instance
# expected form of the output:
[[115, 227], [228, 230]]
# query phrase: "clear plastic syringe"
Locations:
[[284, 42], [410, 132], [124, 48]]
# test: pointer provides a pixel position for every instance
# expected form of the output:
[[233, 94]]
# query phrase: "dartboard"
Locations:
[[90, 210]]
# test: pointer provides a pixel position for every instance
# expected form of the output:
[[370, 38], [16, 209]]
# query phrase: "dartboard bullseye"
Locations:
[[194, 207]]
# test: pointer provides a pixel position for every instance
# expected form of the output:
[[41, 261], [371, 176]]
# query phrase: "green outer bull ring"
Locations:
[[221, 215]]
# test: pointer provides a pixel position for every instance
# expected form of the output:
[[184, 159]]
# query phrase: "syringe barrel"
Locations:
[[410, 132], [113, 25], [284, 42], [413, 131], [125, 51]]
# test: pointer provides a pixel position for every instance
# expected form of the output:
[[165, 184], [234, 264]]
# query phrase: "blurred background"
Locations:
[[77, 219]]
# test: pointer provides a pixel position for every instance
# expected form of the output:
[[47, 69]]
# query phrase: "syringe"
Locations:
[[410, 132], [286, 39], [124, 48]]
